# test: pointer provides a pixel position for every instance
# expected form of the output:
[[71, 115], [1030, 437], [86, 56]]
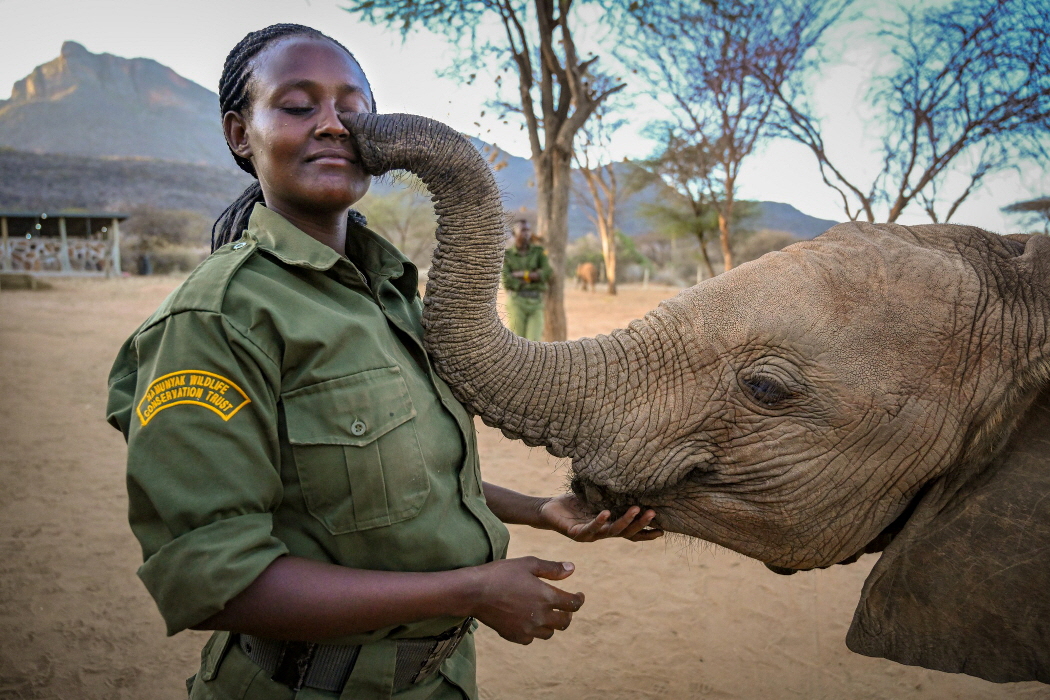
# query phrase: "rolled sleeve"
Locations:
[[203, 463], [192, 576]]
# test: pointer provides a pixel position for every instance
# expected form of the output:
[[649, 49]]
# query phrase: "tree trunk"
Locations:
[[553, 179], [609, 255], [704, 255]]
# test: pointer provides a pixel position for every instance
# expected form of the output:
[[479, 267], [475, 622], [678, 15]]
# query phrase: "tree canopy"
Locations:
[[558, 90]]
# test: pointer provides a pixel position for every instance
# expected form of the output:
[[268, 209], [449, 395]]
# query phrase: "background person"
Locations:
[[526, 274], [298, 477]]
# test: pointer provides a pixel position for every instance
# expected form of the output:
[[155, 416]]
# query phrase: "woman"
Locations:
[[314, 493]]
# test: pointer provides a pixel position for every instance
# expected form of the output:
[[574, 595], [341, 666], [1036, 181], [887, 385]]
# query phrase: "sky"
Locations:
[[193, 37]]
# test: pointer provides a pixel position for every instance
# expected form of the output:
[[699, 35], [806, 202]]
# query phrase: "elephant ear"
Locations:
[[965, 586]]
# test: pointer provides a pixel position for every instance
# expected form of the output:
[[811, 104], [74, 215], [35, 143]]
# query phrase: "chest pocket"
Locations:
[[356, 450]]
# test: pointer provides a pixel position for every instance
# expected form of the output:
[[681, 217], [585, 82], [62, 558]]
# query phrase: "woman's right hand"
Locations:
[[514, 601]]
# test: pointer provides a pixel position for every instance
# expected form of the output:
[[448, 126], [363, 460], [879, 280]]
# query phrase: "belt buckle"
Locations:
[[444, 646], [294, 664]]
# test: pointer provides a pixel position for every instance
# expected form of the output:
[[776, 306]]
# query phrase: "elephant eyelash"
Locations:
[[703, 476], [766, 390]]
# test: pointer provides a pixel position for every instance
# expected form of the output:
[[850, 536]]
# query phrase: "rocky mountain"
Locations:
[[102, 105], [98, 131]]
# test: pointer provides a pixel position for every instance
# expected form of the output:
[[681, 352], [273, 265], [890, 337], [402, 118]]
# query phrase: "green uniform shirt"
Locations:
[[535, 258], [280, 402]]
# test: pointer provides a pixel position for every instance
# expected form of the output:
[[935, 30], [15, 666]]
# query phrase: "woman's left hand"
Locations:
[[568, 515]]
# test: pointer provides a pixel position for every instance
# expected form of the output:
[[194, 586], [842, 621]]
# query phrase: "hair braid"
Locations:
[[235, 96]]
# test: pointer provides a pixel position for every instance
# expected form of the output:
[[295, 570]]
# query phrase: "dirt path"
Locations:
[[664, 620]]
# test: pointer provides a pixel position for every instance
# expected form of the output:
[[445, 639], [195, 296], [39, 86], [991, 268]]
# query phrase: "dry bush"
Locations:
[[164, 241], [761, 242]]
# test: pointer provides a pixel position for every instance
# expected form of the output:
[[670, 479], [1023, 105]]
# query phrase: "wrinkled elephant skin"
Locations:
[[881, 387]]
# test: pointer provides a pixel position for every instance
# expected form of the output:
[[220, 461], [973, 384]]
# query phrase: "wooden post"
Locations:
[[114, 235], [5, 257], [63, 245]]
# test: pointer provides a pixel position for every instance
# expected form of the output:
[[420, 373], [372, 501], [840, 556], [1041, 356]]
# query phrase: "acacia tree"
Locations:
[[970, 95], [603, 189], [705, 55], [557, 93], [1035, 210], [688, 203]]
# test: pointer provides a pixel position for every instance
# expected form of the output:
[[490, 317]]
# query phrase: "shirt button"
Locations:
[[358, 428], [238, 246]]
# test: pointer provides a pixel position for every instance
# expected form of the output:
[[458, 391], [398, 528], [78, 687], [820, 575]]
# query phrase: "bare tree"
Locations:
[[1035, 210], [603, 190], [556, 95], [705, 56], [970, 95], [687, 206]]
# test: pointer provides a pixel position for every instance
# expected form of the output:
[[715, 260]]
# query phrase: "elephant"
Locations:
[[881, 388], [586, 276]]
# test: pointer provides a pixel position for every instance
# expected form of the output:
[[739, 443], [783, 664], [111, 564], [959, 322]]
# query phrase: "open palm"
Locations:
[[569, 516]]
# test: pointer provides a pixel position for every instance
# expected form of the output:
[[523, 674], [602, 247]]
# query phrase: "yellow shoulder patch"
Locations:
[[192, 386]]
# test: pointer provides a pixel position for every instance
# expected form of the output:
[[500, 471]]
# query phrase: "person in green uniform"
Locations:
[[526, 273], [299, 478]]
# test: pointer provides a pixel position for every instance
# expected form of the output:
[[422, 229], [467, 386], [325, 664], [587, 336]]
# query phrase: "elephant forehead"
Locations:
[[866, 304]]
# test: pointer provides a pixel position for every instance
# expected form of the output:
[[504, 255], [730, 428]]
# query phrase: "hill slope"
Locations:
[[103, 105], [36, 182], [118, 133]]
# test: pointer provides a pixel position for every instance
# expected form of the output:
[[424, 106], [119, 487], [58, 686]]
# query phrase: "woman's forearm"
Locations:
[[514, 508], [297, 599]]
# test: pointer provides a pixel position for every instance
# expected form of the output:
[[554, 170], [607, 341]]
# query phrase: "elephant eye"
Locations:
[[766, 390]]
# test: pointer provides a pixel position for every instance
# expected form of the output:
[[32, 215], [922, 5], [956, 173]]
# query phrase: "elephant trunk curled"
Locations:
[[552, 394]]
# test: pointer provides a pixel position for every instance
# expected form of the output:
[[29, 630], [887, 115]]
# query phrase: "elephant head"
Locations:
[[878, 388]]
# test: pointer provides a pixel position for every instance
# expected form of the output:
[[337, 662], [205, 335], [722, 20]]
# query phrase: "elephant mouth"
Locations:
[[599, 498], [690, 465]]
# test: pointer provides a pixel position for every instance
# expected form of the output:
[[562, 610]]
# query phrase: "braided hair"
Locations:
[[235, 96]]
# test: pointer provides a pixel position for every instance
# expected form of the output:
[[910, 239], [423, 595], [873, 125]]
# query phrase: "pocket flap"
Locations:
[[352, 410]]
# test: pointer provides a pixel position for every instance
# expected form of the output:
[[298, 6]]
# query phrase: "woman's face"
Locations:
[[292, 134]]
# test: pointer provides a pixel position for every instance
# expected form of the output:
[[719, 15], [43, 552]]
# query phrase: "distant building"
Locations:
[[60, 242]]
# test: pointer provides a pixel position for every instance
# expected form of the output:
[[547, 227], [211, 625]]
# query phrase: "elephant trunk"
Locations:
[[551, 394]]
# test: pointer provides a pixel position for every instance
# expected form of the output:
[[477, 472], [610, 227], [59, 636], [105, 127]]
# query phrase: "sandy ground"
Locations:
[[662, 620]]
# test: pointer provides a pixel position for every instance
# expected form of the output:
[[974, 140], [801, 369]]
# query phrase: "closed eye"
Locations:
[[297, 111], [766, 390]]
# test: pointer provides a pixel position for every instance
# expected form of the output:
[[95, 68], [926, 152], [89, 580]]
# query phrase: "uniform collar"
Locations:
[[282, 239], [366, 250]]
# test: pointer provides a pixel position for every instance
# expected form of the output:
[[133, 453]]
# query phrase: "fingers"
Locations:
[[553, 621], [569, 602], [549, 622], [544, 633], [637, 524], [551, 570], [559, 620], [629, 525], [593, 530], [647, 535]]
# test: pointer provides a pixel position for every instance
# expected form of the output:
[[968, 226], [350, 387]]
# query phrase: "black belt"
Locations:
[[528, 294], [327, 666]]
